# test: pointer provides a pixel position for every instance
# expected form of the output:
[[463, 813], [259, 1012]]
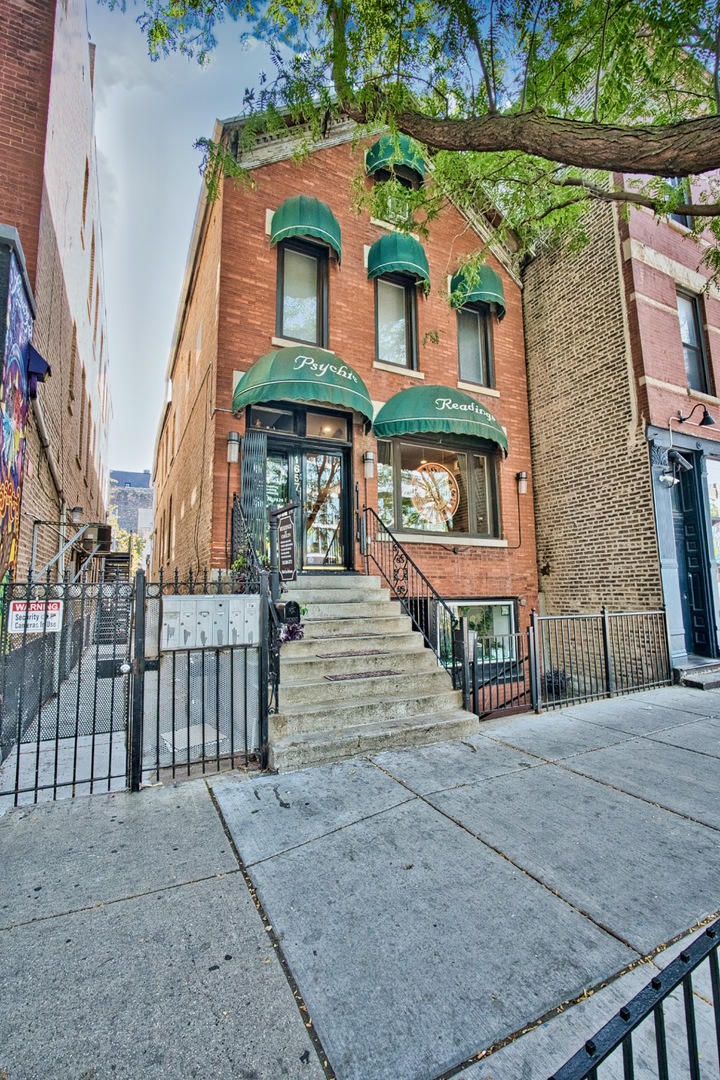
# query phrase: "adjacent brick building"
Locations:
[[623, 350], [286, 265], [49, 202]]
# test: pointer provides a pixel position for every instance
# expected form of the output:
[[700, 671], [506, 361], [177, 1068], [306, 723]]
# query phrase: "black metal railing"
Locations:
[[616, 1037], [429, 613], [586, 657], [500, 674]]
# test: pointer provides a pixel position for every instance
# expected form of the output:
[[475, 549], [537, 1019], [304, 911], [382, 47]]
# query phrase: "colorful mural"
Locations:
[[13, 414]]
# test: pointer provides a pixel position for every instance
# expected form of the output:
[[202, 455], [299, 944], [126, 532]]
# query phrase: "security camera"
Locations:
[[682, 462], [668, 479]]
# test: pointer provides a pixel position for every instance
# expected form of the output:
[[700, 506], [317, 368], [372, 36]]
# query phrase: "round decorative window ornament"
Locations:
[[435, 493]]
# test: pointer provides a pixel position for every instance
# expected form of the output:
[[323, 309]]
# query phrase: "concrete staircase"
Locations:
[[360, 681]]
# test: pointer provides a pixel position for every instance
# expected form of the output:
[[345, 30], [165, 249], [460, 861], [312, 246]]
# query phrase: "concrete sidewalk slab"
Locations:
[[60, 857], [445, 765], [182, 983], [414, 945], [643, 872], [629, 714], [553, 735], [682, 700], [667, 775], [702, 736], [274, 813]]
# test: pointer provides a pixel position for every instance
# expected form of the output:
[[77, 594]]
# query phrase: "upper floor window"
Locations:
[[474, 345], [302, 293], [692, 341], [680, 183], [395, 321]]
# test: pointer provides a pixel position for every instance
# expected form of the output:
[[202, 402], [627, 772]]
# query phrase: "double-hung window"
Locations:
[[395, 321], [692, 342], [474, 345], [302, 293], [680, 183]]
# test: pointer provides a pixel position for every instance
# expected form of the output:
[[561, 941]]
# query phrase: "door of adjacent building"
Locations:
[[693, 562]]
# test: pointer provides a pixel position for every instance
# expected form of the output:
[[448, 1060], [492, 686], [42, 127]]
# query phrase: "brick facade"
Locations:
[[227, 321], [593, 501], [48, 192]]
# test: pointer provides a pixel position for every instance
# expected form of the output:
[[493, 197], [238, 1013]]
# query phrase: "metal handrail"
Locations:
[[404, 582], [618, 1031]]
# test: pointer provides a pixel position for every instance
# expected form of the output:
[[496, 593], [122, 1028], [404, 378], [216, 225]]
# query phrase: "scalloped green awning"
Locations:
[[398, 253], [392, 150], [486, 288], [422, 409], [302, 373], [302, 215]]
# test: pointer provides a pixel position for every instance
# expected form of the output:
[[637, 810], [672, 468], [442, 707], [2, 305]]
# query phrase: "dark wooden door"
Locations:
[[692, 564]]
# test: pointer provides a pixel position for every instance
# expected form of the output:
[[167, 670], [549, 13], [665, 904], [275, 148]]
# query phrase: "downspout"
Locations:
[[54, 472]]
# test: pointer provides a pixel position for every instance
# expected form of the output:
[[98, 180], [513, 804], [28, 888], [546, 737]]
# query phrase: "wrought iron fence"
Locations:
[[428, 611], [64, 688], [585, 657], [672, 1058], [500, 674]]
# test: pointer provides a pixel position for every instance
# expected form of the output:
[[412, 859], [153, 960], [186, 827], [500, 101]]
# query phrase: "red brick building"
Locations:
[[49, 207], [302, 323], [623, 347]]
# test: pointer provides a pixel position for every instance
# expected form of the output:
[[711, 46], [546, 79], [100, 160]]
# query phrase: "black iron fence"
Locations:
[[500, 673], [638, 1033], [430, 615], [585, 657]]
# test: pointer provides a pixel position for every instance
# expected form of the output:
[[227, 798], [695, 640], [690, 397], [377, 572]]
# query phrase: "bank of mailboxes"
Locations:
[[204, 622]]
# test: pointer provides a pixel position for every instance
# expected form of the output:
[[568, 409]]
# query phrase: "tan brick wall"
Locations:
[[246, 326], [593, 501]]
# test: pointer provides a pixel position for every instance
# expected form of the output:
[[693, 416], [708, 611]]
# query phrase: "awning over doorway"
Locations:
[[303, 373], [398, 253], [302, 215], [392, 150], [422, 409], [486, 287]]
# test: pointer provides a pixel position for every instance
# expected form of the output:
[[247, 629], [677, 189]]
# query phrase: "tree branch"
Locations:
[[658, 206], [601, 57]]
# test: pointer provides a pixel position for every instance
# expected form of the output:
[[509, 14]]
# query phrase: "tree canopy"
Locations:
[[530, 110]]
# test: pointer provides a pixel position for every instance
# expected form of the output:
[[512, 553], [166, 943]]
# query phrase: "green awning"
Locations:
[[437, 409], [483, 285], [392, 150], [398, 253], [304, 216], [302, 373]]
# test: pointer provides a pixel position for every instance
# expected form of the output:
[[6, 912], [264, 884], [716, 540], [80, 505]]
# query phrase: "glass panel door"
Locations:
[[324, 541]]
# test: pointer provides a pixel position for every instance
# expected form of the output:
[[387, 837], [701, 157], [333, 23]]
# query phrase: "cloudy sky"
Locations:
[[148, 115]]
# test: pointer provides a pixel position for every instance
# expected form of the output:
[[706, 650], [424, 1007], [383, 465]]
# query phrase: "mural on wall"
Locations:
[[13, 414]]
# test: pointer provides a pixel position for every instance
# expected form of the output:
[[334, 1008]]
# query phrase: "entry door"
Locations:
[[317, 480], [324, 509], [692, 565]]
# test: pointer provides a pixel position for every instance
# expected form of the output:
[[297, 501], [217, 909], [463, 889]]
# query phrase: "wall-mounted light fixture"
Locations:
[[75, 514], [233, 447], [707, 420], [368, 460], [521, 478]]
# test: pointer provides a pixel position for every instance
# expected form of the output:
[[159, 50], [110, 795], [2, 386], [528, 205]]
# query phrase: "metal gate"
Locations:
[[95, 698]]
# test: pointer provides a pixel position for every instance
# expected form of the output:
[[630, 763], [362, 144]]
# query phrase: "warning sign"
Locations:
[[35, 616]]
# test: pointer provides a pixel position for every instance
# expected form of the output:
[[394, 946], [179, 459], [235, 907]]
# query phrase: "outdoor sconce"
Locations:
[[233, 447], [521, 478], [368, 460], [707, 420], [75, 514]]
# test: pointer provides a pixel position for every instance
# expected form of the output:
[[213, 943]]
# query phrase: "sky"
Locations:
[[148, 115]]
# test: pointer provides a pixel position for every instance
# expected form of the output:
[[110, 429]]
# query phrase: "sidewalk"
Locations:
[[431, 905]]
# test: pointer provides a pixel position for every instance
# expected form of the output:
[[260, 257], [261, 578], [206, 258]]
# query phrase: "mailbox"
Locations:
[[204, 622], [288, 611]]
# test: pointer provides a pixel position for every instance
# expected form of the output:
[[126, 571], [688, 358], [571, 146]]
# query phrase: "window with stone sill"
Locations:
[[475, 362], [396, 321], [302, 286]]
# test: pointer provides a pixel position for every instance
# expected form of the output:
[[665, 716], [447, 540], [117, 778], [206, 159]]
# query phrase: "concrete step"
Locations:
[[316, 748], [311, 667], [391, 686], [364, 609], [323, 629], [327, 647], [335, 581], [701, 680], [338, 596], [369, 710]]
